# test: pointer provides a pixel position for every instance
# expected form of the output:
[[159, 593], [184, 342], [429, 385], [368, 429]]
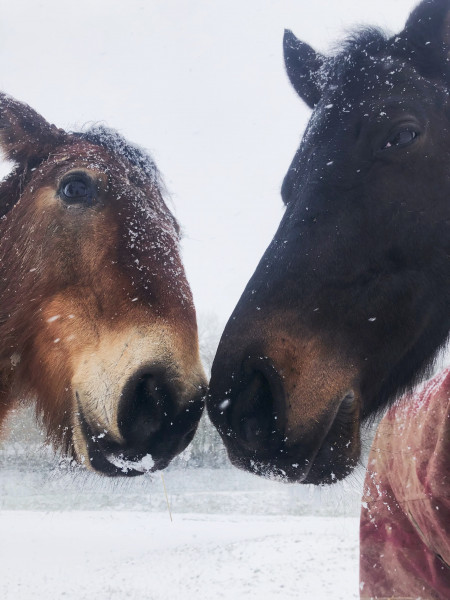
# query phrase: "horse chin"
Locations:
[[325, 469], [335, 456], [332, 464], [108, 453], [340, 450], [98, 452]]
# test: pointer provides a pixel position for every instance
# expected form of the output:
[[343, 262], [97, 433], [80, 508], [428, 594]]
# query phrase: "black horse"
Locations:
[[350, 302]]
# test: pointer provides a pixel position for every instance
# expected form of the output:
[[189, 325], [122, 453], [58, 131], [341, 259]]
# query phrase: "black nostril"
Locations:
[[144, 408], [254, 417]]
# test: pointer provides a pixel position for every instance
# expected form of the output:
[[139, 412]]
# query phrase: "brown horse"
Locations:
[[97, 323], [350, 302]]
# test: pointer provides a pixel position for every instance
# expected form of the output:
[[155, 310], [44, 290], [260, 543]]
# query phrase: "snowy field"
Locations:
[[68, 534], [233, 535], [113, 555]]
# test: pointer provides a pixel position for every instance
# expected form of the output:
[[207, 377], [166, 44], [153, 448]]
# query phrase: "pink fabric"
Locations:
[[405, 516]]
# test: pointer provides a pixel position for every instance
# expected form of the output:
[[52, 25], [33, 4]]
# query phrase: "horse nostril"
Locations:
[[143, 411], [254, 417]]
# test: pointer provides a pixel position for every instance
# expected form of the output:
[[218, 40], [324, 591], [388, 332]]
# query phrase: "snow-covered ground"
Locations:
[[71, 535], [140, 555], [68, 534]]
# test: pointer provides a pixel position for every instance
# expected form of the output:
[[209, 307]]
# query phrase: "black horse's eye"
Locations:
[[401, 138]]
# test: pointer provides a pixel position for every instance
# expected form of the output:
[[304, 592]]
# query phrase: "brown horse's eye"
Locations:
[[75, 189], [401, 138]]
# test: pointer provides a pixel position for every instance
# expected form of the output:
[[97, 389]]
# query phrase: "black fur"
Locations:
[[360, 263]]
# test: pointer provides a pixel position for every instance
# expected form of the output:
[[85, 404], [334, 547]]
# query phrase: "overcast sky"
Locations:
[[199, 83]]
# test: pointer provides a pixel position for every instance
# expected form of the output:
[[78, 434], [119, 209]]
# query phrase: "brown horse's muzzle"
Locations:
[[153, 427], [132, 415], [286, 412]]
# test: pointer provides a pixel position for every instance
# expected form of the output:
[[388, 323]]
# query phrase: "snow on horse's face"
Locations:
[[96, 317], [349, 303]]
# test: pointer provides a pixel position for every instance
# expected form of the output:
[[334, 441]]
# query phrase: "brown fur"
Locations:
[[70, 272]]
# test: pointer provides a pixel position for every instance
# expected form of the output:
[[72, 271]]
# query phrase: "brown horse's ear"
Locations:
[[24, 134], [302, 66], [425, 40]]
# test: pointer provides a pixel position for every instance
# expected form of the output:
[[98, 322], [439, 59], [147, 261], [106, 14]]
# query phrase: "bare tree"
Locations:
[[207, 449], [209, 331]]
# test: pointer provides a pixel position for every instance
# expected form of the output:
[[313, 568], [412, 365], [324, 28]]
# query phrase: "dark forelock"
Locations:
[[354, 52]]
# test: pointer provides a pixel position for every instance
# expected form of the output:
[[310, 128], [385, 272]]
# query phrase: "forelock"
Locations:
[[144, 167], [115, 143], [361, 47]]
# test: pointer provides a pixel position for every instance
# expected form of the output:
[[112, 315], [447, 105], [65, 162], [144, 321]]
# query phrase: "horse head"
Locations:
[[97, 320], [349, 304]]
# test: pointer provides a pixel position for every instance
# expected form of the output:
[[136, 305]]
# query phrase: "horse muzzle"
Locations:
[[271, 425], [141, 429]]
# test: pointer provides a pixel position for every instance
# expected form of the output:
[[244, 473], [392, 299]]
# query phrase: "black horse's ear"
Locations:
[[302, 66], [425, 40], [23, 132]]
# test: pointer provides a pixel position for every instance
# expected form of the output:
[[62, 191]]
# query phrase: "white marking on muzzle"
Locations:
[[102, 372]]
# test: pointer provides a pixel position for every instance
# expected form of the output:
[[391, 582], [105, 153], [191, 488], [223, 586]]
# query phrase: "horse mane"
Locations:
[[364, 44]]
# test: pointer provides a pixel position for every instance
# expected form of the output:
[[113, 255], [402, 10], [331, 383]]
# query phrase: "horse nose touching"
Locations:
[[281, 412]]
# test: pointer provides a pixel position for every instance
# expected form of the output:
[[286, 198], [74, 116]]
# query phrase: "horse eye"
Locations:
[[402, 138], [75, 189]]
